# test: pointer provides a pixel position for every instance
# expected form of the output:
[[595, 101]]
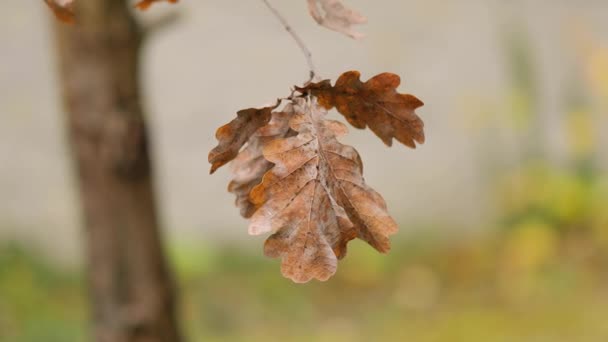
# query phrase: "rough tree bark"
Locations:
[[130, 285]]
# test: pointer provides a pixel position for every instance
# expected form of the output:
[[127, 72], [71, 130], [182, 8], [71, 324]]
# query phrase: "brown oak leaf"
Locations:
[[145, 4], [232, 136], [62, 10], [335, 16], [375, 104], [250, 165], [314, 200], [293, 179]]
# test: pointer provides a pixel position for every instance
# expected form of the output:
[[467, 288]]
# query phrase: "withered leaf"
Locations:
[[62, 10], [375, 104], [232, 136], [293, 179], [250, 165], [314, 200], [335, 16], [145, 4]]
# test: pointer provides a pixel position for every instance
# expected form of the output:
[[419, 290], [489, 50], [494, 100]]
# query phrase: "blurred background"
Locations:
[[503, 213]]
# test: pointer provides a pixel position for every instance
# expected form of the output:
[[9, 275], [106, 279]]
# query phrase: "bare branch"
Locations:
[[299, 41]]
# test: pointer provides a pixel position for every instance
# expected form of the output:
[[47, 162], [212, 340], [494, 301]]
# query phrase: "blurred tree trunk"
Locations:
[[130, 285]]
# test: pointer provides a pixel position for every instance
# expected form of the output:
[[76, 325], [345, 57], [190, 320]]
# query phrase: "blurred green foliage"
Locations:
[[38, 302], [518, 287]]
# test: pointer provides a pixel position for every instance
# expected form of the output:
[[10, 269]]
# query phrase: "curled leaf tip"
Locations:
[[62, 10], [145, 4]]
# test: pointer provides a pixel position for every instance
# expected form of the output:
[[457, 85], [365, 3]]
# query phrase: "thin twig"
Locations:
[[297, 38]]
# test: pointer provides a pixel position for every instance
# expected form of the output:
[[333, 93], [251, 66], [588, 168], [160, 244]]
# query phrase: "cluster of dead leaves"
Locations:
[[332, 14], [291, 175], [293, 178], [64, 9]]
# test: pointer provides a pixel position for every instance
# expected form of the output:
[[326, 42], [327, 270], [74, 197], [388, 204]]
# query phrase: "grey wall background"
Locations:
[[226, 55]]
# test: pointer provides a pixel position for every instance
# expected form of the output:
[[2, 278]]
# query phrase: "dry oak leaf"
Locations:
[[249, 166], [62, 10], [232, 136], [375, 104], [335, 16], [145, 4], [314, 200]]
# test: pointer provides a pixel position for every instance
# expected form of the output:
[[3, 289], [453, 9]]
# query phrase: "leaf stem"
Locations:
[[296, 37]]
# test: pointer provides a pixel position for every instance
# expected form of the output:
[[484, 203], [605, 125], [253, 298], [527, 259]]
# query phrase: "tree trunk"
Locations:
[[129, 282]]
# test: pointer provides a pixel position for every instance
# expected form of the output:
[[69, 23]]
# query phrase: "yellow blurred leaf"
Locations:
[[581, 133], [531, 245]]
